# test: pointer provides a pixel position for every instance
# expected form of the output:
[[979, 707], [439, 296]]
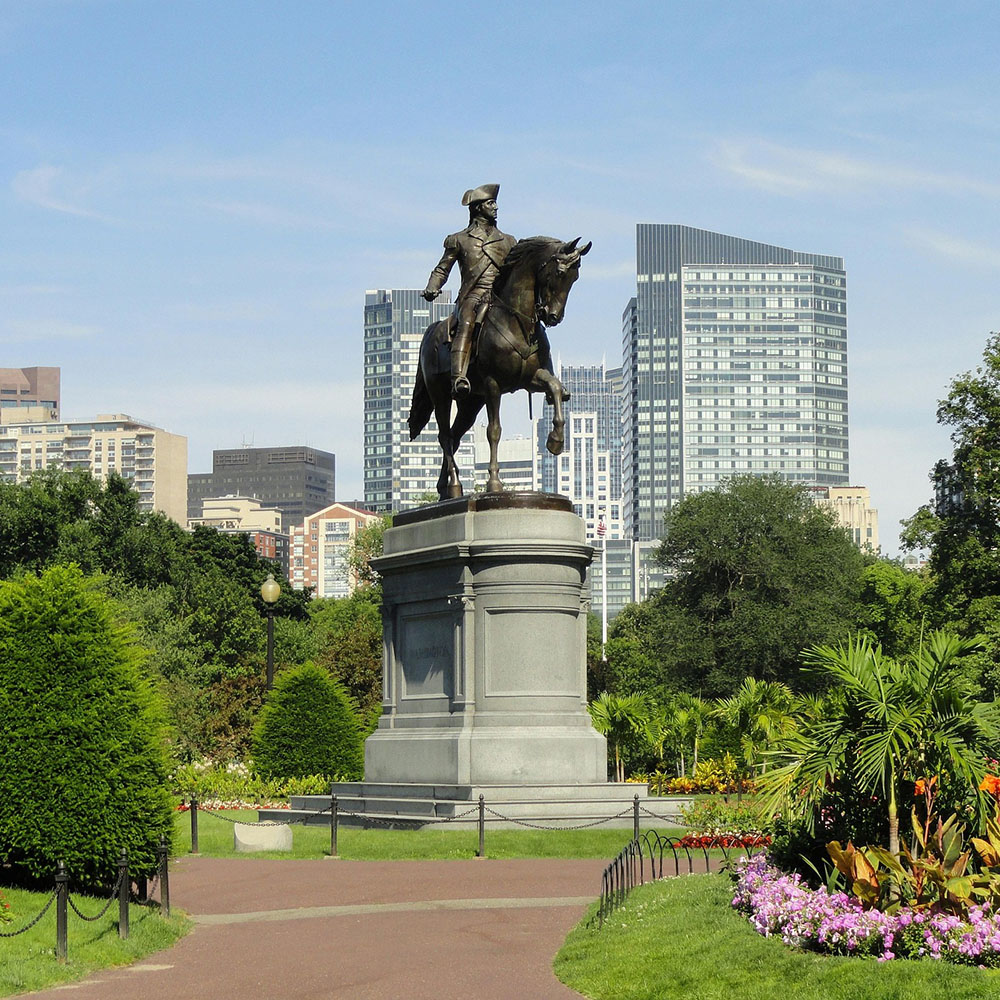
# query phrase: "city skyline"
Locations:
[[193, 213]]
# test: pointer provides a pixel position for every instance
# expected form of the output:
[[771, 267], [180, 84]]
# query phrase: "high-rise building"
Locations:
[[853, 509], [399, 472], [515, 456], [734, 363], [320, 548], [295, 480], [154, 460], [246, 516], [34, 387]]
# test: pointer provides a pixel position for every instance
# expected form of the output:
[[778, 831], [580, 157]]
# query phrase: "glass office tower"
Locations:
[[399, 472], [734, 363]]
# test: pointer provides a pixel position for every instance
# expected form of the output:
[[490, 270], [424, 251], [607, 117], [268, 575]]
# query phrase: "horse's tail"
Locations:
[[421, 408]]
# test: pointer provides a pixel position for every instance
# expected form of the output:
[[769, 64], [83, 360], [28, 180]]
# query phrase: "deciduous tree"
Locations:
[[759, 572]]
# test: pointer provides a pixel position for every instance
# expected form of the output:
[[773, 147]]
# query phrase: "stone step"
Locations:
[[410, 806], [603, 791]]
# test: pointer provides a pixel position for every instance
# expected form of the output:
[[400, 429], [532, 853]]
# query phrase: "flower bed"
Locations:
[[710, 841], [218, 805], [782, 905]]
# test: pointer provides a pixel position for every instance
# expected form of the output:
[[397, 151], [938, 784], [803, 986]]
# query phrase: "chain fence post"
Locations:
[[333, 825], [164, 854], [194, 825], [62, 901], [635, 818], [481, 853], [123, 890]]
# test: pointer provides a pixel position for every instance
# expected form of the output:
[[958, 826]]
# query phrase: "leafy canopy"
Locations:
[[760, 572], [962, 526]]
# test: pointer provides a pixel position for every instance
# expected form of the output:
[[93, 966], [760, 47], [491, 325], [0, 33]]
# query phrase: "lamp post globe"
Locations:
[[270, 591]]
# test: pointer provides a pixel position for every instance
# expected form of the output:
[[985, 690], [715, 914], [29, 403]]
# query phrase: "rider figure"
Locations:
[[480, 249]]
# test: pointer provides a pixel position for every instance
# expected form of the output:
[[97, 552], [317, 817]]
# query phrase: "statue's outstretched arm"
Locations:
[[440, 273]]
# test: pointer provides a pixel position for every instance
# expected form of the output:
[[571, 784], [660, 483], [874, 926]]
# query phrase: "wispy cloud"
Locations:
[[789, 170], [967, 251], [53, 188], [262, 214], [18, 331]]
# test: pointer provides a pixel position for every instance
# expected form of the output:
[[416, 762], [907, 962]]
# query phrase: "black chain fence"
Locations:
[[122, 892], [486, 814], [34, 920]]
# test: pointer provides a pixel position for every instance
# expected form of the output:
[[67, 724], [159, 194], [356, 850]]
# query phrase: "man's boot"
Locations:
[[460, 386]]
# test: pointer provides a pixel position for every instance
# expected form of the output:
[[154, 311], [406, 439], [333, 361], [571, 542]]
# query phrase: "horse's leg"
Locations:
[[545, 381], [448, 484], [493, 484], [465, 415]]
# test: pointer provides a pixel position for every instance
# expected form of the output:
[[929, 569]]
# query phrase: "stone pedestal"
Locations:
[[484, 664]]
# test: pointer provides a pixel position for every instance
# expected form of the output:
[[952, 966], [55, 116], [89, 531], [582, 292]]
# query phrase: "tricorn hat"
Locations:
[[485, 192]]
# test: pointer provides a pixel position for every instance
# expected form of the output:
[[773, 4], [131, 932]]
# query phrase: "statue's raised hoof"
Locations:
[[555, 443]]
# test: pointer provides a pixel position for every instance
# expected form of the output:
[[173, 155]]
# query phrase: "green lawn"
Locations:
[[215, 838], [28, 962], [680, 938]]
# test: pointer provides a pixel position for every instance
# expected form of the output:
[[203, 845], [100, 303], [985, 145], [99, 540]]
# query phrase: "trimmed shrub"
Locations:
[[308, 726], [83, 766]]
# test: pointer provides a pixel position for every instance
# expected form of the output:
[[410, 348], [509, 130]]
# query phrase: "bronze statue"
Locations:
[[480, 249], [529, 292]]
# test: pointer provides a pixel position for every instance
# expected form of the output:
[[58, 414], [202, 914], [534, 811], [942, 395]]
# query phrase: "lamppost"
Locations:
[[270, 591]]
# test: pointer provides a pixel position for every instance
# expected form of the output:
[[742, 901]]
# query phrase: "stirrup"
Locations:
[[460, 387]]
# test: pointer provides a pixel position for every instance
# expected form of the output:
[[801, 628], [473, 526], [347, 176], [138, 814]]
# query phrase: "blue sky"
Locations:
[[194, 196]]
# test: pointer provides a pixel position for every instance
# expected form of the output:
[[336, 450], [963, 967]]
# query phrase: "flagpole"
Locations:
[[604, 589]]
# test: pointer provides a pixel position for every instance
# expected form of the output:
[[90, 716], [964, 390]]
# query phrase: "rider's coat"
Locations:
[[479, 250]]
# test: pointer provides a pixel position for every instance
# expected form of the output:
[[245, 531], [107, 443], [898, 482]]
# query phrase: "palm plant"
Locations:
[[620, 718], [888, 721], [691, 718], [761, 712]]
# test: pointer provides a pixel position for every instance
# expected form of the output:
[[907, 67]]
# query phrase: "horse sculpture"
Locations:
[[511, 353]]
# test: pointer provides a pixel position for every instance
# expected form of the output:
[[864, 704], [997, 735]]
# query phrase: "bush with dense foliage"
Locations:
[[308, 726], [83, 766], [718, 818]]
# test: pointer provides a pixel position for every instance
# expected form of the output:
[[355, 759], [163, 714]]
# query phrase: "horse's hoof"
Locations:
[[454, 492], [494, 486], [555, 443]]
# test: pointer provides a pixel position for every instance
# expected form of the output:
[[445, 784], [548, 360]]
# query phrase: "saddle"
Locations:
[[451, 323]]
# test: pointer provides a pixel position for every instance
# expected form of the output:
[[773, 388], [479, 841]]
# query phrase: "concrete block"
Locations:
[[247, 838]]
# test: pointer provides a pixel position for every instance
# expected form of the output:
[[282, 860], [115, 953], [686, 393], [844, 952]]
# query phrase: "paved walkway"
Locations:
[[365, 930]]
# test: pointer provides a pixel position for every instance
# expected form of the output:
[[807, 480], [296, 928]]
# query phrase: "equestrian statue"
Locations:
[[495, 342]]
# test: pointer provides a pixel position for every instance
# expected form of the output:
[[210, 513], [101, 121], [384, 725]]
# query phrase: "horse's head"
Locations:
[[555, 278]]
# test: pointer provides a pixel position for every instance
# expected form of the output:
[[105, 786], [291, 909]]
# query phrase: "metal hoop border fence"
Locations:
[[628, 869], [122, 892]]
